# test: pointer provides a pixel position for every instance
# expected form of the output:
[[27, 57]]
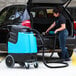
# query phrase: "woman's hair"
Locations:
[[57, 10]]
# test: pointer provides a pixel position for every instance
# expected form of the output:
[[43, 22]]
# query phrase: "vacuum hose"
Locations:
[[44, 61]]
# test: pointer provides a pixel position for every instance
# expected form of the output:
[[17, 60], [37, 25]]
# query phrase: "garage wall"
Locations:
[[4, 3], [73, 3]]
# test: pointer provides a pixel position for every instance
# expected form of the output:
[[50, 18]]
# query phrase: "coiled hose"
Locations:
[[44, 61]]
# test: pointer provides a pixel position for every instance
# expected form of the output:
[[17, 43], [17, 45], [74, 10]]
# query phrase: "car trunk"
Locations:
[[59, 2], [42, 21]]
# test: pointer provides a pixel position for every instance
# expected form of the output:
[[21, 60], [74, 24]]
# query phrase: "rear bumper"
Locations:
[[49, 43], [71, 42]]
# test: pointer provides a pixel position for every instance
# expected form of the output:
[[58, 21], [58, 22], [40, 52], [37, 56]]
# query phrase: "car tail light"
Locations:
[[74, 24], [26, 23]]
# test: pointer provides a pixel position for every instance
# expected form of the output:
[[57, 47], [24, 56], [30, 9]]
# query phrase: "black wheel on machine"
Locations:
[[10, 61], [69, 51], [22, 64], [36, 65], [27, 65]]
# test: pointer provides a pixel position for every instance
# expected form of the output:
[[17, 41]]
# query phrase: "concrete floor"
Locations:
[[40, 71]]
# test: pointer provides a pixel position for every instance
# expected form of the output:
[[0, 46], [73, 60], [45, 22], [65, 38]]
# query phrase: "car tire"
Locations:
[[10, 61], [27, 65], [69, 51], [36, 65]]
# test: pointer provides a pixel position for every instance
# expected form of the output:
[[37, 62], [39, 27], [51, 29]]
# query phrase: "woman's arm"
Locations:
[[63, 26], [50, 27]]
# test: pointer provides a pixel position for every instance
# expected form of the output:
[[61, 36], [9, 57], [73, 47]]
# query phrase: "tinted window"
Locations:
[[39, 13], [42, 18], [16, 12], [3, 16], [49, 13], [11, 13]]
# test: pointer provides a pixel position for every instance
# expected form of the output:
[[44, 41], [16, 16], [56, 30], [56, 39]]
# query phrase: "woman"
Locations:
[[60, 23]]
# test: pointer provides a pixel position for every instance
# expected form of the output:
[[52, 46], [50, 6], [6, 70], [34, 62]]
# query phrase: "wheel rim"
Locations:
[[26, 65], [36, 65], [9, 61]]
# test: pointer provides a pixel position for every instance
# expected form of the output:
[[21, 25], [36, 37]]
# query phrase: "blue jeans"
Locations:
[[62, 40]]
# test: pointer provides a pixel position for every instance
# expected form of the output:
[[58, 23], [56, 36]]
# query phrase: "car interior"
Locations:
[[43, 18]]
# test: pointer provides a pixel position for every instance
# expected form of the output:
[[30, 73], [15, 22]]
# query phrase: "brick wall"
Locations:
[[4, 3]]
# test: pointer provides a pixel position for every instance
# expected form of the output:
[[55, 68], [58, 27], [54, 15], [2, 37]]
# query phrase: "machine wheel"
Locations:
[[22, 64], [9, 61], [69, 51], [27, 65], [36, 65]]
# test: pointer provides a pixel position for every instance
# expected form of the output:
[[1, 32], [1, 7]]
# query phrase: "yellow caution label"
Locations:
[[74, 59]]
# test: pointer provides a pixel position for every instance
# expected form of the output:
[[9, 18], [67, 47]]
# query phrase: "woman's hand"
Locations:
[[47, 31], [55, 31], [51, 26]]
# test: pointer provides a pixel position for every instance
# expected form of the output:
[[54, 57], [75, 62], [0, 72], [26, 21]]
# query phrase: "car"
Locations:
[[41, 13], [72, 11], [42, 18], [8, 16]]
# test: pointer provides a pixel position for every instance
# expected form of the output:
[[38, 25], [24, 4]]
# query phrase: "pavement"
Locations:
[[42, 70]]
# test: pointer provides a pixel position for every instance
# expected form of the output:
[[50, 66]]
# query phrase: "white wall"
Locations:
[[4, 3]]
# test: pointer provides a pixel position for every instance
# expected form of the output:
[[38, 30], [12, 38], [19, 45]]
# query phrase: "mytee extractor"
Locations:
[[22, 47]]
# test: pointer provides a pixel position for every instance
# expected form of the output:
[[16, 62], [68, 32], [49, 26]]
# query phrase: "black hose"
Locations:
[[42, 41]]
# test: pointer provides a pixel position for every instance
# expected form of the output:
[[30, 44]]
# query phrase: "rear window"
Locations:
[[42, 18], [39, 13]]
